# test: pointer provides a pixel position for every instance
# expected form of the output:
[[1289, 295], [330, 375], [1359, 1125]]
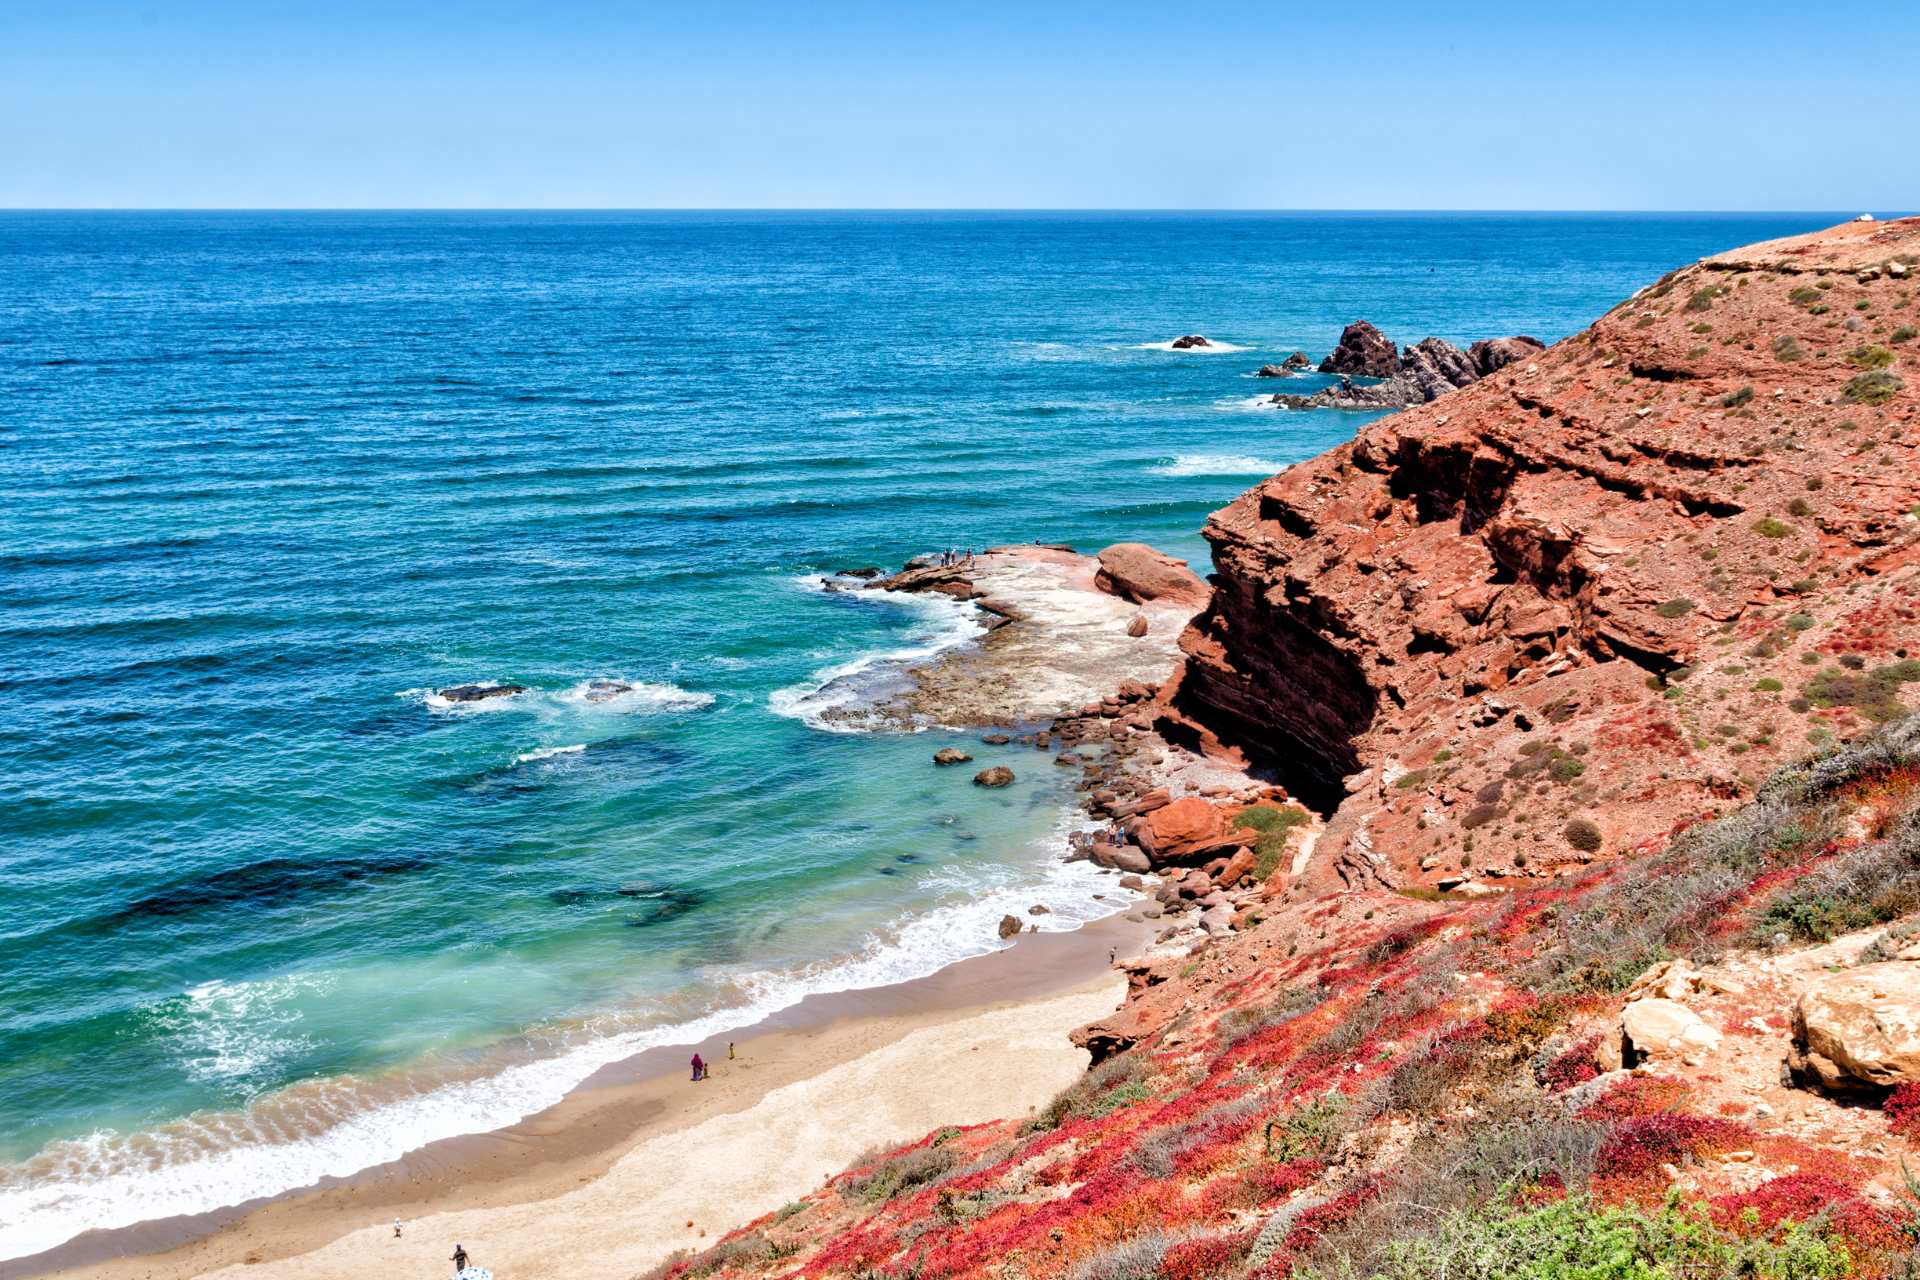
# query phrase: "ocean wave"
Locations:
[[1245, 404], [339, 1126], [634, 696], [236, 1033], [603, 694], [1218, 464], [835, 698], [548, 753]]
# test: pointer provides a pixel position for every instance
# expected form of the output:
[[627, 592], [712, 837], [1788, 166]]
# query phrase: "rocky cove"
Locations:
[[1539, 782]]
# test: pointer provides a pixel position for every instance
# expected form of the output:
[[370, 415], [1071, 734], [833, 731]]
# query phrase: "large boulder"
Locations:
[[1859, 1028], [1298, 360], [1273, 371], [1134, 571], [997, 776], [1187, 830], [1009, 926], [950, 755], [1364, 351], [1492, 354], [1188, 342], [1664, 1030]]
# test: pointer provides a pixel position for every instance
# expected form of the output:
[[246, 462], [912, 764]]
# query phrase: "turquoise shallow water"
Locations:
[[270, 913]]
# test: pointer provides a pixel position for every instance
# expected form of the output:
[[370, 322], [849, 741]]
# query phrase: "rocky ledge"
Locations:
[[1061, 629]]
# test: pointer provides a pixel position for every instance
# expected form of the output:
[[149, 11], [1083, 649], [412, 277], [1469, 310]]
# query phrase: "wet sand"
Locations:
[[606, 1182]]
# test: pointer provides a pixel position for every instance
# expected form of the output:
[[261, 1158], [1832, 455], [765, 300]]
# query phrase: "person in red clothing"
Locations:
[[699, 1068]]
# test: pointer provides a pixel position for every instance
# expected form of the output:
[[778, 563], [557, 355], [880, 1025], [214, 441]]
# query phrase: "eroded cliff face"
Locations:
[[1595, 594]]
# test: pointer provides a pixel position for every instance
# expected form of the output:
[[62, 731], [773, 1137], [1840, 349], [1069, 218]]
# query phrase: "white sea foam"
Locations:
[[1246, 404], [1214, 347], [236, 1032], [1218, 464], [337, 1128], [634, 697], [548, 753], [832, 698], [608, 694]]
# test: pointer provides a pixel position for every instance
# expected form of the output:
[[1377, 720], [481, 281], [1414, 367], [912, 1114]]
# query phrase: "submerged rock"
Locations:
[[606, 690], [480, 692], [950, 755]]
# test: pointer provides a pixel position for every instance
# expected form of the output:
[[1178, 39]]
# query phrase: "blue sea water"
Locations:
[[272, 911]]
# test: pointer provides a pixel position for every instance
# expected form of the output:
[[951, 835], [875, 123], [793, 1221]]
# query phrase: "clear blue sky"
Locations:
[[971, 103]]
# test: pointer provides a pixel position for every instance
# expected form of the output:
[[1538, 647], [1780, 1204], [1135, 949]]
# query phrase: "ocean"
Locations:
[[273, 910]]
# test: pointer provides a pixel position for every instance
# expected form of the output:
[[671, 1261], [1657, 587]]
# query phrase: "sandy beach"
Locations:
[[642, 1161]]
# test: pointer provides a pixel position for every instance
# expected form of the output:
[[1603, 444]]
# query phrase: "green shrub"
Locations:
[[1734, 399], [1803, 296], [1702, 298], [1876, 387], [1874, 694], [1576, 1239], [903, 1172], [1767, 684], [1905, 333], [1872, 356], [1583, 835], [1787, 349], [1768, 527], [1678, 607]]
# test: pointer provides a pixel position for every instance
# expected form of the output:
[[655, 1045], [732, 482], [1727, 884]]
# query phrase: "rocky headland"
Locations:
[[1541, 779]]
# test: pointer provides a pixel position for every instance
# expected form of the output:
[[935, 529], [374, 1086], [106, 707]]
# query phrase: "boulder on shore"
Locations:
[[950, 755], [1859, 1028], [997, 776], [1137, 625], [1009, 925], [1663, 1030], [1363, 351], [1187, 342], [1135, 571], [480, 692]]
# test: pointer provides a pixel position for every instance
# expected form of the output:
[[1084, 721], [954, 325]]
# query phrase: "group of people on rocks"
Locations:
[[953, 557]]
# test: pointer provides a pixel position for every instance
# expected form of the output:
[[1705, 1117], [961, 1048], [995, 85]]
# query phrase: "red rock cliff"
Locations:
[[1596, 594]]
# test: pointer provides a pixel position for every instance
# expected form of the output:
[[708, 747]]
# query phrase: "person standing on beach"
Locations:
[[699, 1068], [729, 1051], [396, 1228], [459, 1258]]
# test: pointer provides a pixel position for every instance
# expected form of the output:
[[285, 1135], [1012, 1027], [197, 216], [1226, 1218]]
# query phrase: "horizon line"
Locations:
[[941, 209]]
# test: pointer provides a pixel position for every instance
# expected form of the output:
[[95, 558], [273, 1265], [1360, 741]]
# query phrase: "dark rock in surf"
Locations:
[[1188, 342], [480, 692], [950, 755], [997, 776]]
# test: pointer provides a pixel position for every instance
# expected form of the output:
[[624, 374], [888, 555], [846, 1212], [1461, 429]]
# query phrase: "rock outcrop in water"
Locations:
[[1594, 593], [1363, 352], [1189, 341], [1421, 374], [480, 692]]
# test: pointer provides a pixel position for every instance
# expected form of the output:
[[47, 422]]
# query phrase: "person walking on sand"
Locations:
[[459, 1258], [699, 1068], [729, 1051], [396, 1228]]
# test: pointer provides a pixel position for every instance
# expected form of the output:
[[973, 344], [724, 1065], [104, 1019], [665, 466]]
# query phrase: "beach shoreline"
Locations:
[[876, 1055]]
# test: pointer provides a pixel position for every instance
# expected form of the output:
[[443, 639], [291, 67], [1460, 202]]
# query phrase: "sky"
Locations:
[[1050, 104]]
